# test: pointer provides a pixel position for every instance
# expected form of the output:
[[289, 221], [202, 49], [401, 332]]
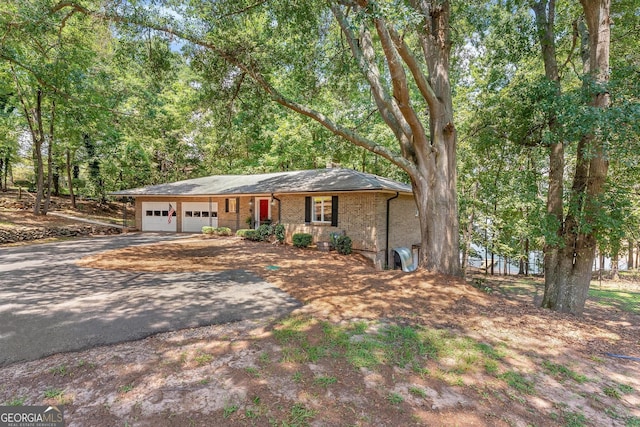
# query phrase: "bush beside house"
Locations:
[[216, 231], [302, 240], [343, 244]]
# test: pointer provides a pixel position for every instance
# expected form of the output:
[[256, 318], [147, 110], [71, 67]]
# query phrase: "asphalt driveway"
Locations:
[[49, 305]]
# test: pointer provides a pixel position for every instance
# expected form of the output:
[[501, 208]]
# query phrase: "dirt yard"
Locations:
[[367, 348], [16, 211]]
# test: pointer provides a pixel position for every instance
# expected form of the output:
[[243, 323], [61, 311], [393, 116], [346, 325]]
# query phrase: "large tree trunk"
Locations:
[[429, 159], [6, 171], [70, 180], [615, 273], [545, 17], [438, 177], [630, 256], [437, 207], [568, 279], [47, 201], [38, 139]]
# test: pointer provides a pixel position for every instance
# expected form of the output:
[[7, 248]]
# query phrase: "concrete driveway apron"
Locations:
[[49, 305]]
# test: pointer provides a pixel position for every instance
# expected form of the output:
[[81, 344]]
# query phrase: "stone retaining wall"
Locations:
[[20, 234]]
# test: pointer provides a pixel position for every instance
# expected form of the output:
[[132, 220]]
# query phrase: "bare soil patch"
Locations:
[[529, 371], [16, 211]]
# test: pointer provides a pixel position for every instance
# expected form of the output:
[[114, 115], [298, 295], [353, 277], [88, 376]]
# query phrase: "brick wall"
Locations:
[[233, 220], [404, 224], [356, 218]]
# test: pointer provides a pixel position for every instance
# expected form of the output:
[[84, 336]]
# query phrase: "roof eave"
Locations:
[[367, 190]]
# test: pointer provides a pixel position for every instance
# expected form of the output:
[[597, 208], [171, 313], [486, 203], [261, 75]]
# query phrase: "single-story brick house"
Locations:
[[377, 213]]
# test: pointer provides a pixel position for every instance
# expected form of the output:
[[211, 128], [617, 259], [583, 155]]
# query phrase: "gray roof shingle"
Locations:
[[305, 181]]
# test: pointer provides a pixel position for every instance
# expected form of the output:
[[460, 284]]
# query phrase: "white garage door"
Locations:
[[155, 216], [197, 215]]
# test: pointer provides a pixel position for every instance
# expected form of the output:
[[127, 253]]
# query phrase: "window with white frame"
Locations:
[[322, 209]]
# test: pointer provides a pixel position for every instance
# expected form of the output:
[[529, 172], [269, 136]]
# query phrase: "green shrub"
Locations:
[[222, 231], [343, 245], [265, 231], [243, 232], [252, 235], [23, 183], [279, 232], [216, 231], [302, 240], [248, 234]]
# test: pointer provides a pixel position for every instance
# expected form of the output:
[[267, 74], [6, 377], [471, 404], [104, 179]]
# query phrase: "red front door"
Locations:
[[264, 210]]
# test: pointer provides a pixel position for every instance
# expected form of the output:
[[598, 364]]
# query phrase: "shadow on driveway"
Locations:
[[49, 305]]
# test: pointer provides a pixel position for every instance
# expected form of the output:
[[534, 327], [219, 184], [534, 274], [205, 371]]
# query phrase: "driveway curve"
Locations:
[[50, 305]]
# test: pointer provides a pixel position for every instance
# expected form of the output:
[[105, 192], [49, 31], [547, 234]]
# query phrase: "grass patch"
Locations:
[[229, 410], [417, 391], [625, 389], [622, 300], [450, 377], [53, 393], [297, 377], [632, 422], [299, 416], [16, 401], [574, 419], [84, 364], [395, 398], [59, 371], [251, 413], [254, 372], [612, 392], [491, 352], [203, 358], [402, 344], [491, 367], [365, 353], [125, 388], [562, 372], [520, 287], [518, 382], [293, 355], [292, 329], [407, 346], [264, 358], [315, 352], [292, 333], [325, 381], [286, 335]]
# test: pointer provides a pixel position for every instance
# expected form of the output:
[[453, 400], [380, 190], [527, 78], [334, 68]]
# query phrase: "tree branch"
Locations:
[[23, 103], [273, 93], [409, 58], [365, 58], [400, 87], [244, 9], [574, 43]]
